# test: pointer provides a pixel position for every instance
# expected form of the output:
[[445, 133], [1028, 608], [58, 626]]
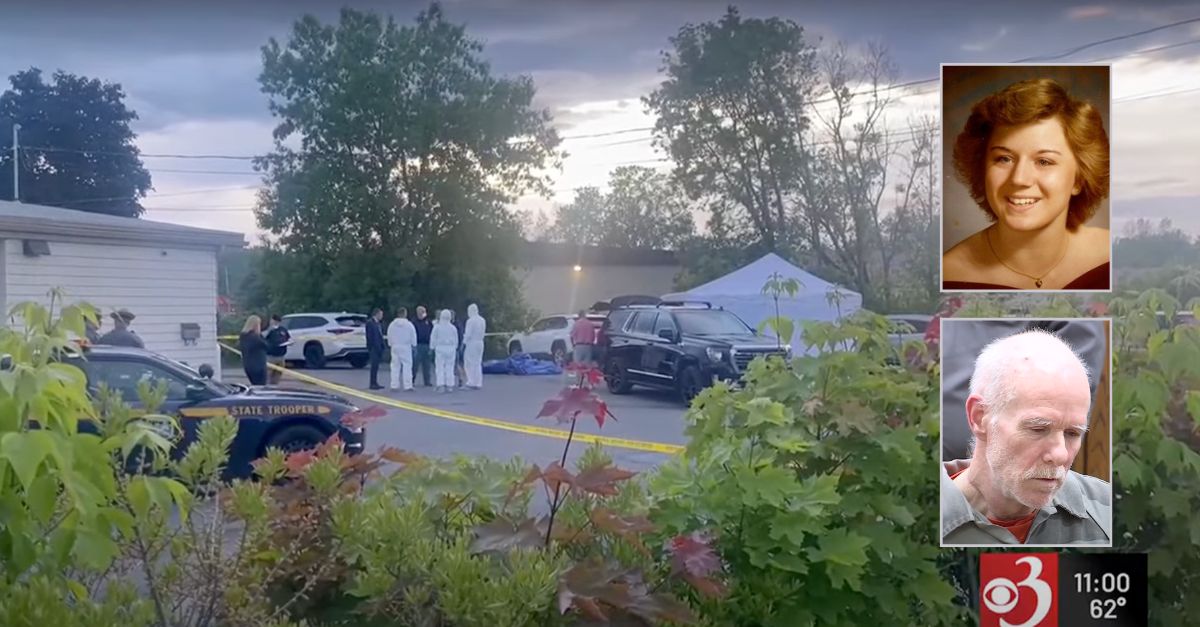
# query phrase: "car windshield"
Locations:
[[709, 322]]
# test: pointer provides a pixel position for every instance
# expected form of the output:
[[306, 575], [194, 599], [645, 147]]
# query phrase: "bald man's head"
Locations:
[[1027, 360]]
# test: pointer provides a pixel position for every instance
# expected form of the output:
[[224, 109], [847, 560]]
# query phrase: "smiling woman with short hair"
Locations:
[[1036, 161]]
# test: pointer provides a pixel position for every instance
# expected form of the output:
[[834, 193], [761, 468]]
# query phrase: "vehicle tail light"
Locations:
[[341, 331]]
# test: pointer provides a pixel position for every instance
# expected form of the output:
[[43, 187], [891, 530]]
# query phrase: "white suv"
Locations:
[[550, 336], [318, 338]]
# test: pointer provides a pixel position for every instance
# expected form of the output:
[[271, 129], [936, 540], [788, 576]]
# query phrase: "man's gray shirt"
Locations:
[[1080, 513], [122, 337]]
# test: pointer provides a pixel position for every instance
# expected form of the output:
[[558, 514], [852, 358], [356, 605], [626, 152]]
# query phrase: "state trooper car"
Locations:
[[288, 419]]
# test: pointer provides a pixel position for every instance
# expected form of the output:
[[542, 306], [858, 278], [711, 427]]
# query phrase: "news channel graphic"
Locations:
[[1067, 589]]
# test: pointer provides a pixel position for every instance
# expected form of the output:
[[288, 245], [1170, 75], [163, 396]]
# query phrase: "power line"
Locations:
[[1110, 40], [156, 196]]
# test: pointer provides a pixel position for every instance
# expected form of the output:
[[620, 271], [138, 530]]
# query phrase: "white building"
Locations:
[[166, 274]]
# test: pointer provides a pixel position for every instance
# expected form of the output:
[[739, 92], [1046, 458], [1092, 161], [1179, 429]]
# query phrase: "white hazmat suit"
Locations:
[[444, 341], [402, 337], [473, 333]]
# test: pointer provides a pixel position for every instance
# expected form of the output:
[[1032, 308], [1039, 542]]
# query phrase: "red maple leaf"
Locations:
[[602, 480], [573, 401], [693, 554], [297, 462], [587, 372]]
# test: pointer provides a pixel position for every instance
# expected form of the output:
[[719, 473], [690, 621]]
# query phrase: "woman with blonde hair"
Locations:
[[254, 351]]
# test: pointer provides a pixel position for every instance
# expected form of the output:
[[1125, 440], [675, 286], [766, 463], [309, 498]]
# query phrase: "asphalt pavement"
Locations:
[[644, 415]]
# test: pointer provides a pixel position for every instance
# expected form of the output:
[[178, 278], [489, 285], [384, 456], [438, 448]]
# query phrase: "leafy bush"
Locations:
[[814, 482]]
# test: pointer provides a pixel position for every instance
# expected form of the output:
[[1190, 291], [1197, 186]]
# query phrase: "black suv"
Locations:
[[679, 346]]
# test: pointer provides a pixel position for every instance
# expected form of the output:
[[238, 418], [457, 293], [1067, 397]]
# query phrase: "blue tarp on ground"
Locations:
[[521, 364]]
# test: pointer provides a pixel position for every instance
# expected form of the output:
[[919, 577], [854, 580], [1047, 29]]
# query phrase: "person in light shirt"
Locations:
[[1028, 413]]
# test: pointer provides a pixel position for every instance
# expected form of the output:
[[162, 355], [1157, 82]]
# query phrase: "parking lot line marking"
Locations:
[[637, 445]]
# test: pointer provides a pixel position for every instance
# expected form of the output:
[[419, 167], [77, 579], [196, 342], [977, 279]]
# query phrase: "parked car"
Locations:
[[683, 347], [909, 327], [288, 419], [549, 336], [318, 338]]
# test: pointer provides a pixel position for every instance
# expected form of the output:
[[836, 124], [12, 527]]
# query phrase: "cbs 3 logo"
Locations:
[[1001, 595]]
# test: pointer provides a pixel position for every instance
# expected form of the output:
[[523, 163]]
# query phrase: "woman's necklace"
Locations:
[[1037, 280]]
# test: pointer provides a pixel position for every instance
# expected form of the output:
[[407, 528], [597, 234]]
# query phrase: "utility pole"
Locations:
[[16, 164]]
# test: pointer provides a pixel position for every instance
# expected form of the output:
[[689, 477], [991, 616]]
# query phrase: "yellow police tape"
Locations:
[[637, 445]]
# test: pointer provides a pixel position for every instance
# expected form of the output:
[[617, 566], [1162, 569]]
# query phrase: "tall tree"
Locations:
[[643, 209], [581, 220], [76, 147], [408, 151], [732, 114], [911, 231], [849, 177]]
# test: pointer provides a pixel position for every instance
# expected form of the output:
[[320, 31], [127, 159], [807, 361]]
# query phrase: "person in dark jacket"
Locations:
[[278, 340], [121, 335], [254, 351], [422, 356], [375, 345]]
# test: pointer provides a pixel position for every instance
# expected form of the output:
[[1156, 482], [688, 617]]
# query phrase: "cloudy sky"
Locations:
[[190, 71]]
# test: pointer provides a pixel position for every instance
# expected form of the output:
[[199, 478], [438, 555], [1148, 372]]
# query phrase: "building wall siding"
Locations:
[[559, 289], [163, 287]]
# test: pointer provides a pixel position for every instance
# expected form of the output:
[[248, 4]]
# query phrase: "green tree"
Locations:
[[732, 114], [643, 209], [77, 150], [408, 151], [582, 219]]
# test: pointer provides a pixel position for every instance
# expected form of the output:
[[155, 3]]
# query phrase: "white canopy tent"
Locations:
[[741, 292]]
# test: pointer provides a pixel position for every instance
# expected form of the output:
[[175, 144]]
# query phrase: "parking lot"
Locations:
[[644, 415]]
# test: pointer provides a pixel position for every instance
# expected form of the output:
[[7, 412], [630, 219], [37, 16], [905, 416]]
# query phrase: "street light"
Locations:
[[578, 268]]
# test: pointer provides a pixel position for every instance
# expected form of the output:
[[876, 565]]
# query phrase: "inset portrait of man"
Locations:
[[1026, 167], [1032, 418]]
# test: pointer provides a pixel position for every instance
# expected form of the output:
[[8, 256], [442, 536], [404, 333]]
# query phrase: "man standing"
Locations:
[[473, 335], [375, 345], [583, 338], [1028, 412], [122, 335], [278, 340], [402, 336], [422, 355]]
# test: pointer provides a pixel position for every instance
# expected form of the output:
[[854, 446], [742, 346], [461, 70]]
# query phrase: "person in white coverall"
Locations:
[[473, 334], [444, 341], [402, 337]]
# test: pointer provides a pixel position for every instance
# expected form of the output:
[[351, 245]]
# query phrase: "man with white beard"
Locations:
[[1028, 412], [473, 333]]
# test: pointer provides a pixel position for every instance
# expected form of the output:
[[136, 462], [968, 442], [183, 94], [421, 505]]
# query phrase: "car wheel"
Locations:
[[691, 383], [295, 438], [314, 355], [559, 353], [617, 378], [358, 360], [514, 348]]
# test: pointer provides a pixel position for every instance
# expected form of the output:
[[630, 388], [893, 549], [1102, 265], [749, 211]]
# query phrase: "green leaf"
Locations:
[[43, 497], [896, 512], [765, 411], [180, 494], [138, 494], [1127, 470], [1155, 343], [841, 546], [25, 452], [794, 526], [77, 589], [932, 590], [94, 549], [815, 494], [789, 562], [769, 486], [1193, 406]]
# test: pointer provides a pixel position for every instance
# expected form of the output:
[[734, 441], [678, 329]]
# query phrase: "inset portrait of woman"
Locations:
[[1027, 178]]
